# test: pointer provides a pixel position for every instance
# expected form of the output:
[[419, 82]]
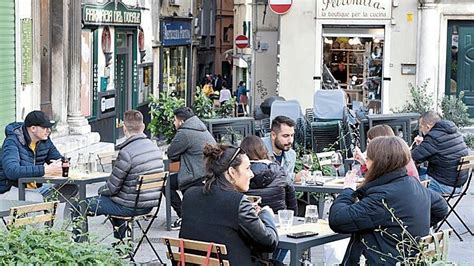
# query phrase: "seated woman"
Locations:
[[387, 189], [269, 181], [379, 131], [220, 213]]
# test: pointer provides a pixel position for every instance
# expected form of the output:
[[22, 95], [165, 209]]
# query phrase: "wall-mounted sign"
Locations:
[[26, 54], [175, 32], [110, 13], [354, 9]]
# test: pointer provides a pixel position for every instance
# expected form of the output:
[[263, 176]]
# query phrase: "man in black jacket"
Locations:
[[137, 156], [442, 147]]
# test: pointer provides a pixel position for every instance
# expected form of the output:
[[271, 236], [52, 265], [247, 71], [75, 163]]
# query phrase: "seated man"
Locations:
[[137, 155], [442, 146], [29, 152]]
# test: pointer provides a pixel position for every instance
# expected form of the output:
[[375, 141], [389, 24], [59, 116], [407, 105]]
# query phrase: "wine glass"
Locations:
[[307, 161], [336, 161]]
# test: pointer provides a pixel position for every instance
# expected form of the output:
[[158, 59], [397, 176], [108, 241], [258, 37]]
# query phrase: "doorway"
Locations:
[[353, 61], [460, 61], [123, 81]]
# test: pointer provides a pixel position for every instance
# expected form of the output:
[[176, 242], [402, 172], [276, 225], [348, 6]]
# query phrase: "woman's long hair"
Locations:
[[254, 148], [379, 131], [218, 159], [387, 155]]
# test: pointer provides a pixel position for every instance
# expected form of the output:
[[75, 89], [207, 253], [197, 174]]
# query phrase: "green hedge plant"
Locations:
[[162, 116], [44, 246]]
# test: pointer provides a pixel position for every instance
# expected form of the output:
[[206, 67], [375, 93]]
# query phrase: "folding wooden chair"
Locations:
[[190, 252], [33, 214], [435, 246], [145, 183], [465, 164], [106, 158]]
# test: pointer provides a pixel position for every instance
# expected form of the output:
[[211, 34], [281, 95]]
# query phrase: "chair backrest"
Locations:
[[33, 214], [466, 163], [435, 245], [290, 108], [324, 158], [329, 104], [191, 251], [151, 182]]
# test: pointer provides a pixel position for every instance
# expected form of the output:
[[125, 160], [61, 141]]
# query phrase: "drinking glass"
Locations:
[[311, 214], [286, 218], [336, 161], [307, 161]]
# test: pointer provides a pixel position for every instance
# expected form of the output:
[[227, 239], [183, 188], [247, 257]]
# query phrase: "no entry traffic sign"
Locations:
[[280, 7], [241, 41]]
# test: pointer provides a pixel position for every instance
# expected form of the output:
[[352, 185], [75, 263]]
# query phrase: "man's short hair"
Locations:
[[279, 120], [183, 113], [430, 118], [133, 120]]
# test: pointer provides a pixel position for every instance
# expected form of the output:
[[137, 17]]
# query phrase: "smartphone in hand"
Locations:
[[255, 199], [302, 234]]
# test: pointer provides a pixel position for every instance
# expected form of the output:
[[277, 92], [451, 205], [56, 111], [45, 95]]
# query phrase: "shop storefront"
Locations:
[[175, 57], [353, 40], [116, 71], [354, 45]]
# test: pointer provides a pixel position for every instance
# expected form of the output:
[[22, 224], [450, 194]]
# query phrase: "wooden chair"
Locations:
[[324, 158], [435, 246], [189, 250], [465, 164], [106, 158], [33, 214], [145, 183], [425, 183]]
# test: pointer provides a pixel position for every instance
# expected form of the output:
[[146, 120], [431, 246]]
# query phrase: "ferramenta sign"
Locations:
[[354, 9], [111, 13]]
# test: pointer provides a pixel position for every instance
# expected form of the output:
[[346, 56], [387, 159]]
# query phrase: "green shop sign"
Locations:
[[111, 13]]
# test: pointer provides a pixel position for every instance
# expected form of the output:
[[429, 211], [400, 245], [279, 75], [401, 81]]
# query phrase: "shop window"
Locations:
[[145, 85], [175, 66], [354, 64]]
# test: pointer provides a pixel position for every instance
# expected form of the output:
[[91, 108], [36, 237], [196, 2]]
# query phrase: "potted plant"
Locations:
[[161, 109]]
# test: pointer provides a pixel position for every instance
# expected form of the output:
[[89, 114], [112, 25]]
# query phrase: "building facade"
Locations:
[[224, 38], [357, 44], [445, 38]]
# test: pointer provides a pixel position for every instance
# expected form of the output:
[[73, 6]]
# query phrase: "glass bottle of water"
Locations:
[[92, 162]]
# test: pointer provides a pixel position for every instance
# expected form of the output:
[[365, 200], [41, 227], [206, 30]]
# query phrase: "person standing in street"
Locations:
[[187, 148]]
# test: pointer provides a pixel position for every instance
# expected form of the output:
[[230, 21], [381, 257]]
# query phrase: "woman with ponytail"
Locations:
[[221, 213]]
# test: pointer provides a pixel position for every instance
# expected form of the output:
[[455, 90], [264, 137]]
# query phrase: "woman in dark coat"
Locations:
[[269, 181], [388, 196], [220, 213]]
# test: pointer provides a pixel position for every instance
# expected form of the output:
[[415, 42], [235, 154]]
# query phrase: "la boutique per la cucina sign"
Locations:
[[354, 9]]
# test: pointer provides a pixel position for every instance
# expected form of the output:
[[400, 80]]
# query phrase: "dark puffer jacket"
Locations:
[[270, 183], [18, 160], [138, 155], [442, 147], [416, 206]]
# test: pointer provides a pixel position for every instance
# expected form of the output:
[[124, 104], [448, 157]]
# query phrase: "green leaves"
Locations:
[[455, 110], [29, 245], [162, 116], [421, 101], [202, 106]]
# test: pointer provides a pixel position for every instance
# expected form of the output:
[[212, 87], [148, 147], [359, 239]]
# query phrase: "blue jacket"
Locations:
[[288, 161], [18, 160], [416, 206]]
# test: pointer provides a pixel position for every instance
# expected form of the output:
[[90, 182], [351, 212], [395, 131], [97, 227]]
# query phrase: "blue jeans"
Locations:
[[63, 193], [437, 186], [103, 205]]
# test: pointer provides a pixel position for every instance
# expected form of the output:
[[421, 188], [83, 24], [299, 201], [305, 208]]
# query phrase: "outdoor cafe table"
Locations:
[[298, 245], [79, 179], [333, 185]]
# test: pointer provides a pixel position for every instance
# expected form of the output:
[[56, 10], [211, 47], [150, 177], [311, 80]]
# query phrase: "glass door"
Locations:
[[353, 61]]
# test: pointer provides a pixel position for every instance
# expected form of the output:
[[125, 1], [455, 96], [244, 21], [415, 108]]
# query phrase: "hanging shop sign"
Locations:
[[176, 32], [354, 9], [111, 13]]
